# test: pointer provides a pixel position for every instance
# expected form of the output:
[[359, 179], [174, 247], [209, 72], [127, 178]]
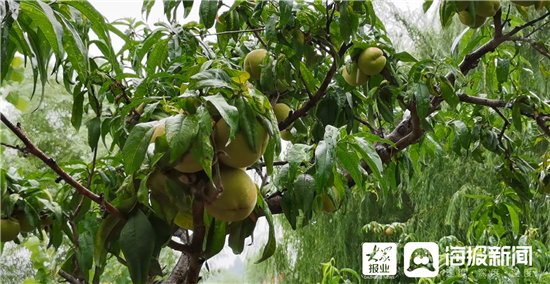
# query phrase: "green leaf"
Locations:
[[297, 154], [447, 92], [369, 155], [238, 232], [303, 191], [426, 5], [84, 253], [43, 17], [309, 79], [229, 113], [157, 56], [215, 240], [514, 218], [78, 105], [503, 69], [211, 78], [77, 53], [285, 16], [350, 161], [325, 155], [94, 132], [135, 148], [405, 57], [99, 26], [349, 21], [146, 46], [516, 116], [446, 12], [104, 235], [271, 244], [187, 6], [137, 242], [180, 132], [422, 96], [202, 149], [207, 13], [248, 124], [146, 7]]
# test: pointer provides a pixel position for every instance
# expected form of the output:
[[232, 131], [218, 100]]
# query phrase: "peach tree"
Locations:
[[178, 114]]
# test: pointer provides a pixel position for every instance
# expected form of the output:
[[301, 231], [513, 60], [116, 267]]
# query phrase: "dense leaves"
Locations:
[[155, 101]]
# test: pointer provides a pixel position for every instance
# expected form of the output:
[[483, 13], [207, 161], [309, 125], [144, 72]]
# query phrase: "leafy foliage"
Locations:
[[154, 103]]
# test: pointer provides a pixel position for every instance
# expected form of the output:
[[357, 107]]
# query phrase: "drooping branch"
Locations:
[[52, 164]]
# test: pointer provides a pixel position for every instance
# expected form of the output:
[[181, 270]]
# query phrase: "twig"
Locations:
[[256, 33], [58, 170], [16, 147], [506, 124], [179, 247], [237, 32], [321, 92], [366, 123], [71, 279]]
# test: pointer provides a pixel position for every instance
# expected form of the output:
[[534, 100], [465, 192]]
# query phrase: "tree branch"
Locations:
[[185, 248], [321, 92], [52, 164], [68, 277], [236, 32], [196, 259]]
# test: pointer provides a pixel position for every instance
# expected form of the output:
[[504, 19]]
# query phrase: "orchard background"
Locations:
[[124, 143]]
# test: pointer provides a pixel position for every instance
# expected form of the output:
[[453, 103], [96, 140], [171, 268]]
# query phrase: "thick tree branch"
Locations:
[[51, 163], [483, 101], [196, 259], [179, 272]]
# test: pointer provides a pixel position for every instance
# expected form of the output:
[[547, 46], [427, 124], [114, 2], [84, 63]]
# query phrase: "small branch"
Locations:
[[58, 170], [321, 92], [275, 163], [498, 23], [539, 28], [506, 124], [541, 122], [367, 124], [237, 32], [68, 277], [526, 25], [483, 101], [16, 147], [496, 104], [179, 247], [256, 33]]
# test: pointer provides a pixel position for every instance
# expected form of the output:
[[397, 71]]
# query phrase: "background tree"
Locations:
[[175, 111]]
